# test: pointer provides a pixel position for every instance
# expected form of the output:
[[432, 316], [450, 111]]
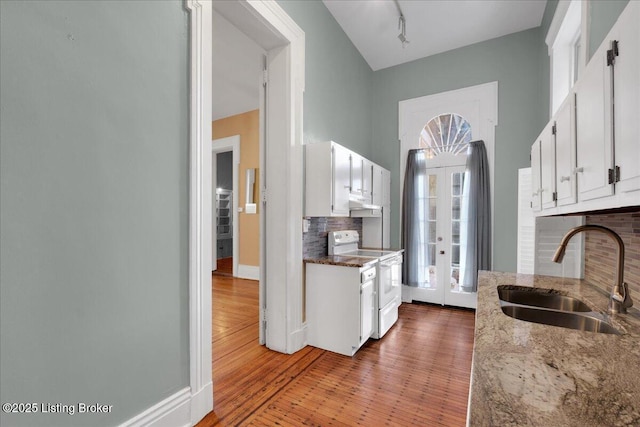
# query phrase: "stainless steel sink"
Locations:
[[572, 320], [540, 297]]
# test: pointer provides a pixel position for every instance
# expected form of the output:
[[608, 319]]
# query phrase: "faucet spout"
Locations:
[[620, 298]]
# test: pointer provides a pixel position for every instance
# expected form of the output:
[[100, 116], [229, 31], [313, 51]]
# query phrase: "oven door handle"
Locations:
[[391, 262]]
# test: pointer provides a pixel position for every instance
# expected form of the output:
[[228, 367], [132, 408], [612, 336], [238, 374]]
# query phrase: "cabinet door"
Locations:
[[367, 179], [627, 98], [566, 153], [594, 147], [341, 168], [366, 311], [356, 174], [536, 184], [376, 187], [548, 167], [386, 187]]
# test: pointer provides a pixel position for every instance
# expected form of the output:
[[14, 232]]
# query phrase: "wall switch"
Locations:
[[250, 208]]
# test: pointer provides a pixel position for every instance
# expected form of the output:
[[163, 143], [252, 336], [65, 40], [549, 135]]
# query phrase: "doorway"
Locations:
[[446, 241], [265, 21], [443, 125], [225, 169]]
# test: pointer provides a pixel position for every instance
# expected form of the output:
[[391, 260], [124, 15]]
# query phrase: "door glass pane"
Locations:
[[455, 208], [431, 279], [457, 185]]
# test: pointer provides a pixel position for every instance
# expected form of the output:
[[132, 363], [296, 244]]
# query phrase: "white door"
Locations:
[[445, 240]]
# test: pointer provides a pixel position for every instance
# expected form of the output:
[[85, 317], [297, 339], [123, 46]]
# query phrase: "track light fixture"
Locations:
[[402, 26], [403, 31]]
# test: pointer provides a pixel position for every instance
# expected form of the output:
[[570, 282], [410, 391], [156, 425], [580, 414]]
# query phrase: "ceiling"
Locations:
[[237, 67], [432, 26], [372, 26]]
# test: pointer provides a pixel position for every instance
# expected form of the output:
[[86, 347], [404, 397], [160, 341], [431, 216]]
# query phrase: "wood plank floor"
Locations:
[[418, 374], [224, 266]]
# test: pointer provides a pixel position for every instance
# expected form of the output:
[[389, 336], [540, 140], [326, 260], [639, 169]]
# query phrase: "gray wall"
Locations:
[[340, 86], [337, 97], [513, 61], [224, 170], [544, 69], [603, 13], [94, 206]]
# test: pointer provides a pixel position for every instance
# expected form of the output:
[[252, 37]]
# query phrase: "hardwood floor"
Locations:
[[418, 374], [224, 266]]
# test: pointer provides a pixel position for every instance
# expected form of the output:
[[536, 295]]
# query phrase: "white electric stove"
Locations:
[[389, 276]]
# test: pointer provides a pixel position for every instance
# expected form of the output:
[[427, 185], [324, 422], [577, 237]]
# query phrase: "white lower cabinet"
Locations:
[[339, 306]]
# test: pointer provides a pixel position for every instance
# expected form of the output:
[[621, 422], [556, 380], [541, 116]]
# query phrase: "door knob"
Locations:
[[439, 239], [441, 252]]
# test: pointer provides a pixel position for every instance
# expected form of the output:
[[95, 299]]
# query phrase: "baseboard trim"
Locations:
[[174, 411], [251, 272], [298, 339], [201, 403]]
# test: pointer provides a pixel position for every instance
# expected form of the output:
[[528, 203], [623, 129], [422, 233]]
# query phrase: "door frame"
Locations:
[[284, 309], [442, 294], [483, 99], [223, 145]]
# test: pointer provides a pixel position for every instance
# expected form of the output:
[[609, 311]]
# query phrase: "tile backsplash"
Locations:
[[314, 242], [601, 251]]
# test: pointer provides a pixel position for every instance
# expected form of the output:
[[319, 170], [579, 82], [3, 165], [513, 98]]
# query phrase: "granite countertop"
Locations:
[[343, 261], [347, 261], [528, 374]]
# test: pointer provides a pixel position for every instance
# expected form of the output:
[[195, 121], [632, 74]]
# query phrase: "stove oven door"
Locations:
[[389, 280]]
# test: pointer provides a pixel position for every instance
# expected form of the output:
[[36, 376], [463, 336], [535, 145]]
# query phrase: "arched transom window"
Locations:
[[446, 133]]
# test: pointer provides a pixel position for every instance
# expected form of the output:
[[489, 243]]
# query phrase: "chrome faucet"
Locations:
[[620, 299]]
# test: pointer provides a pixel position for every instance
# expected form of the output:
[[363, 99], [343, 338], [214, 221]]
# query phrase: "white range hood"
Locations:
[[361, 207]]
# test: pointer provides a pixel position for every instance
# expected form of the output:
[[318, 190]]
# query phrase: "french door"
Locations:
[[445, 239]]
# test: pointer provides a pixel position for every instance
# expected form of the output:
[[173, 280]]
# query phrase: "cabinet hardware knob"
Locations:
[[565, 178], [578, 170]]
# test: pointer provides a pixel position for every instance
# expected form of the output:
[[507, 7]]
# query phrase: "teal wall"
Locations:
[[603, 14], [337, 97], [514, 62], [93, 206], [340, 87]]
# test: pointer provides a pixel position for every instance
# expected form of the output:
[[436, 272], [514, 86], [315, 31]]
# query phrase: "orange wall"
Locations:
[[247, 125]]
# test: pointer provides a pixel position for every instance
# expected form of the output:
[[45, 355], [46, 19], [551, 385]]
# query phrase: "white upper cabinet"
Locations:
[[386, 187], [367, 180], [594, 130], [327, 179], [566, 153], [602, 116], [548, 167], [536, 183], [626, 73], [341, 177], [377, 186], [356, 174], [334, 175]]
